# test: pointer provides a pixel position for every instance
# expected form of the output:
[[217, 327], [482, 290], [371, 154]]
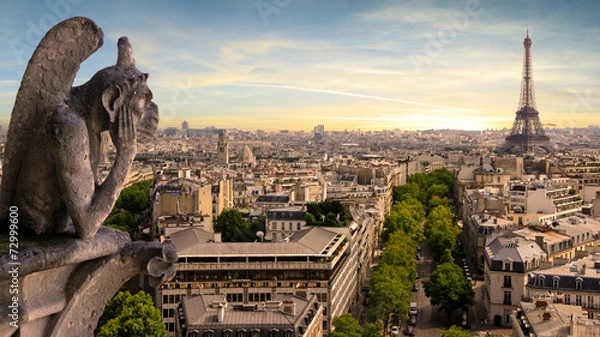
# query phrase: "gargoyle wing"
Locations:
[[45, 88]]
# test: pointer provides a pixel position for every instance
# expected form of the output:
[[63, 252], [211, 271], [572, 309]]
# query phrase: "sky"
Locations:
[[344, 64]]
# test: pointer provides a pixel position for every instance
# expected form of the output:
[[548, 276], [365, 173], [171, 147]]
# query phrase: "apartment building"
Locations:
[[542, 202], [314, 261], [282, 316], [543, 319], [576, 283], [182, 197], [508, 261], [564, 239], [282, 222]]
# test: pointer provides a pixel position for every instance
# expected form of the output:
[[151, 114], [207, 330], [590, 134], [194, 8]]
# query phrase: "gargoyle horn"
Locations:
[[125, 58]]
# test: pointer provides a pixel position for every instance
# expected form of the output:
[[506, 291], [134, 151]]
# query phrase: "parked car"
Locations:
[[418, 256], [394, 331], [415, 287], [410, 331], [412, 321], [413, 309]]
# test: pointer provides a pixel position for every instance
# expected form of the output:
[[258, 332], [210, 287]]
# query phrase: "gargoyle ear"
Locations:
[[109, 101]]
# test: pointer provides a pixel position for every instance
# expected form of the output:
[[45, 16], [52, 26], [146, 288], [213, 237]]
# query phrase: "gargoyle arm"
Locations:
[[87, 204]]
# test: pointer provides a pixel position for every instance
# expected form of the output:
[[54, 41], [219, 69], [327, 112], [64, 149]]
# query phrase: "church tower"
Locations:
[[223, 148]]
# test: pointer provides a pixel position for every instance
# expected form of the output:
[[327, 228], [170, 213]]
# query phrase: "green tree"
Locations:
[[346, 326], [314, 209], [449, 288], [129, 315], [439, 190], [443, 176], [409, 190], [373, 329], [123, 221], [232, 226], [331, 220], [441, 232], [456, 331], [136, 198], [406, 218]]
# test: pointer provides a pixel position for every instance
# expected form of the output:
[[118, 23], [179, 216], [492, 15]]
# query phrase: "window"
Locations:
[[208, 333], [298, 226], [507, 282], [590, 301], [555, 282], [273, 333], [507, 297], [542, 281], [507, 266], [578, 284], [255, 333], [228, 333], [241, 333], [567, 299], [578, 300]]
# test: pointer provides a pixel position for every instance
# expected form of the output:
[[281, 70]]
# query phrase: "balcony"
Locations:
[[507, 285]]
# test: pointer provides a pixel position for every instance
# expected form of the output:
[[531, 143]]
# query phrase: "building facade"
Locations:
[[314, 261]]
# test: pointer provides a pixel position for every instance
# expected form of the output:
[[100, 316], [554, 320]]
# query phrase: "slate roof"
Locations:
[[287, 213], [516, 249], [200, 313], [307, 242]]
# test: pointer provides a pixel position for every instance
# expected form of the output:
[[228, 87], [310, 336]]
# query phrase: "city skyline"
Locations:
[[290, 64]]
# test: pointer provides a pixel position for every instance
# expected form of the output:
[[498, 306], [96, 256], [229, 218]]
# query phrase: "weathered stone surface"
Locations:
[[58, 266], [65, 283], [54, 141]]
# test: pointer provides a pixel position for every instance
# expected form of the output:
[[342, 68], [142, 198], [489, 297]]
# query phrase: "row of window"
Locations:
[[541, 280], [231, 297], [290, 225], [240, 333]]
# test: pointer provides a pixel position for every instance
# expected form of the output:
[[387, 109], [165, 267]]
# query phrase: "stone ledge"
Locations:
[[42, 252], [64, 283]]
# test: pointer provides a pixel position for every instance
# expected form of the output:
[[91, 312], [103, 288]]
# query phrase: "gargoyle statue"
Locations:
[[53, 146]]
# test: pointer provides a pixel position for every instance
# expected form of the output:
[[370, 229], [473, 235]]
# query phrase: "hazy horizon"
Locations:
[[295, 64]]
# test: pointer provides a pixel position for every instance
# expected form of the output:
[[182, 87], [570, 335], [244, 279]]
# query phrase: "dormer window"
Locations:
[[508, 265], [542, 281], [578, 283], [555, 282]]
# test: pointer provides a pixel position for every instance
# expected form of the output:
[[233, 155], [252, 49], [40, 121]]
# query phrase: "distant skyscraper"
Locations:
[[527, 131], [185, 125], [223, 148]]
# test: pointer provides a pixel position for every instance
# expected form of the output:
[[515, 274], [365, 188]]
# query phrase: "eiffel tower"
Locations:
[[527, 132]]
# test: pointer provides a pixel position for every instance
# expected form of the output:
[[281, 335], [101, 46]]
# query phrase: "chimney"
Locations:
[[539, 239], [289, 307], [220, 313]]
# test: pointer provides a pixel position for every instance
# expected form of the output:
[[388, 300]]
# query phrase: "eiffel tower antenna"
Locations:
[[527, 131]]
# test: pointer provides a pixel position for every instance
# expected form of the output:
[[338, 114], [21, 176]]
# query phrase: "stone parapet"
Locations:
[[58, 285]]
